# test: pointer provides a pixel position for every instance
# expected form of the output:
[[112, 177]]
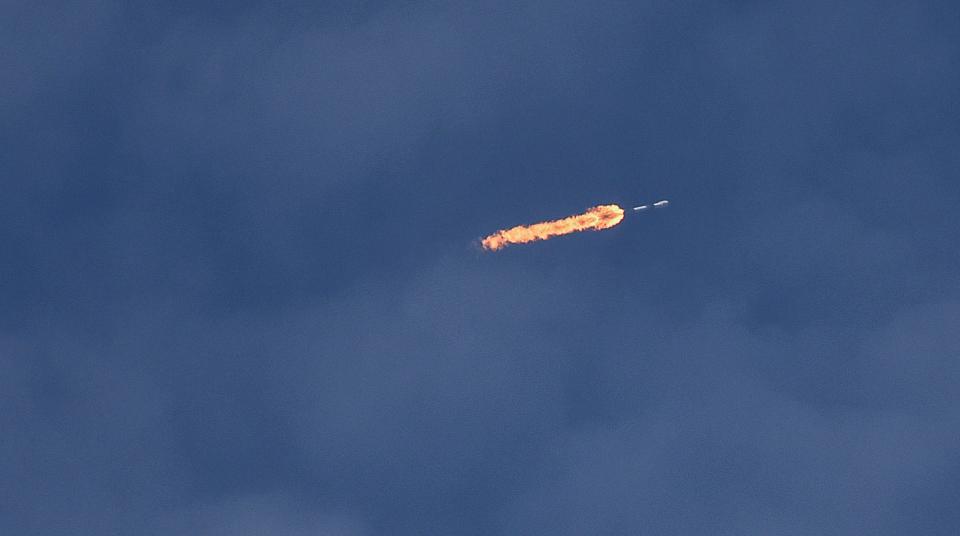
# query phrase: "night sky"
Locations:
[[241, 291]]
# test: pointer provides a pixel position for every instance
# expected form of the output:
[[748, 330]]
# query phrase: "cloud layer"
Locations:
[[213, 320]]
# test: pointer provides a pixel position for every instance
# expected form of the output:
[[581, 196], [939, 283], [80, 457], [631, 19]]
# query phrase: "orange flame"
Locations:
[[597, 218]]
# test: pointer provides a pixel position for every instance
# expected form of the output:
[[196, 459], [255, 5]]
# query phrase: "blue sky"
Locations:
[[240, 290]]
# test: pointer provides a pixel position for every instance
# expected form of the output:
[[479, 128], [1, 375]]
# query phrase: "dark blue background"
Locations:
[[240, 291]]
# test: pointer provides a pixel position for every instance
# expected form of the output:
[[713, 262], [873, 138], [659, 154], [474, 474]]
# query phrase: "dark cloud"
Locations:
[[260, 514], [712, 439], [239, 291]]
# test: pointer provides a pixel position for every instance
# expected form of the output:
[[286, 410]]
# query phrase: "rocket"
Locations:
[[658, 204]]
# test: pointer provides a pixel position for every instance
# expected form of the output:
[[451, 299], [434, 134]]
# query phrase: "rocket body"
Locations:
[[658, 204]]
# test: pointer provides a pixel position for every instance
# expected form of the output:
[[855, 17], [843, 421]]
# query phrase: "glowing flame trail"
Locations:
[[597, 218]]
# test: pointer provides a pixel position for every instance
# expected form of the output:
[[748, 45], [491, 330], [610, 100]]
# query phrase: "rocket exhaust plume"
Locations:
[[597, 218]]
